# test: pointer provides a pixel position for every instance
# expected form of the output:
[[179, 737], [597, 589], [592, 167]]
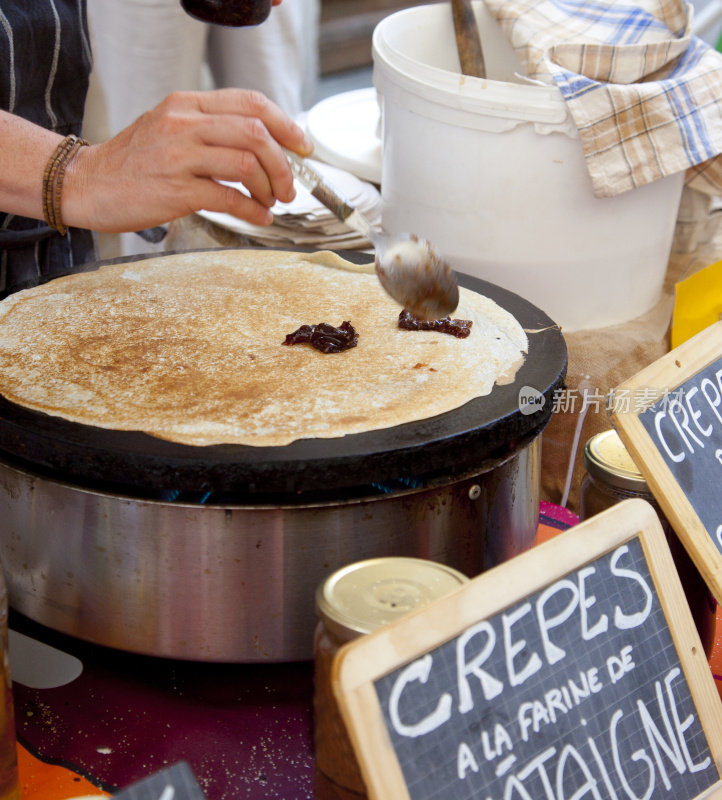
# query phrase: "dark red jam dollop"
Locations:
[[325, 337], [460, 328]]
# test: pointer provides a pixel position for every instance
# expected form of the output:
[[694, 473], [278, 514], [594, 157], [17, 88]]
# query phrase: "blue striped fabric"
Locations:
[[644, 92], [45, 61]]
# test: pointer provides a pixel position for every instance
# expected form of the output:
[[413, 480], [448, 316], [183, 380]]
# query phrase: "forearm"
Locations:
[[170, 162], [26, 149]]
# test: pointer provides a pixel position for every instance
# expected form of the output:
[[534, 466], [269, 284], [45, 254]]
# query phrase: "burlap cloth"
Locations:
[[600, 360]]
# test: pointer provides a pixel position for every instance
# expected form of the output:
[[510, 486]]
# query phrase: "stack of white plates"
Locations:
[[304, 221]]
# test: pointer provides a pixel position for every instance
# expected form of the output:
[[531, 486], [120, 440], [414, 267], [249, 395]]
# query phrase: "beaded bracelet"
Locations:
[[53, 180]]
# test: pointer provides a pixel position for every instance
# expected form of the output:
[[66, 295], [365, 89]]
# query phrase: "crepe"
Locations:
[[189, 348]]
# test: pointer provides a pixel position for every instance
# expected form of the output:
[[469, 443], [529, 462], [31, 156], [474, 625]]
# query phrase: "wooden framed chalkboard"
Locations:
[[572, 671], [669, 417]]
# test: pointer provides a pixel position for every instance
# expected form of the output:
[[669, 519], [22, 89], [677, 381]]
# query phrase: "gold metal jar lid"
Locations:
[[606, 458], [364, 596]]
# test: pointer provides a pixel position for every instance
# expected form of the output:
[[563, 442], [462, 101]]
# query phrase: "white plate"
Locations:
[[344, 129]]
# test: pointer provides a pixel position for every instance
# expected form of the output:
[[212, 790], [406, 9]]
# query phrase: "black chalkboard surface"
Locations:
[[571, 671], [669, 416]]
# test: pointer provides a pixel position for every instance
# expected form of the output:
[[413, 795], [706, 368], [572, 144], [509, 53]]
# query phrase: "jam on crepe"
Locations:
[[325, 337], [460, 328]]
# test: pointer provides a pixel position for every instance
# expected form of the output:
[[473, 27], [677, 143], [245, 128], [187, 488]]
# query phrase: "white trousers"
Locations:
[[145, 49]]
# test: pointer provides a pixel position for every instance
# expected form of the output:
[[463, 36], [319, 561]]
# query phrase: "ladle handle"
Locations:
[[468, 41], [318, 187], [328, 196]]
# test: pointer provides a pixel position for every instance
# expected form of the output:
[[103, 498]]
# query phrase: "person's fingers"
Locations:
[[259, 125], [242, 149], [237, 154], [147, 192], [226, 199], [171, 160], [244, 121], [255, 105]]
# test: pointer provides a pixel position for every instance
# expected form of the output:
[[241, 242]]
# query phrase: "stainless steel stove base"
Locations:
[[236, 583]]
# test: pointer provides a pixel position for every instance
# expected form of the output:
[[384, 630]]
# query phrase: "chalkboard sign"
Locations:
[[669, 417], [177, 782], [571, 671]]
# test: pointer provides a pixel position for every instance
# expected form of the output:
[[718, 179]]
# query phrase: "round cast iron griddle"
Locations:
[[479, 433]]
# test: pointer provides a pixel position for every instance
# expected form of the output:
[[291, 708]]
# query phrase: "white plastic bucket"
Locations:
[[491, 171]]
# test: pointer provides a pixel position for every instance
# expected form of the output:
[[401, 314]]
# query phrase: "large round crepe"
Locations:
[[189, 347]]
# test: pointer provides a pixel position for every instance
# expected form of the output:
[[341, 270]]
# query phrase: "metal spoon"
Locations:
[[408, 268]]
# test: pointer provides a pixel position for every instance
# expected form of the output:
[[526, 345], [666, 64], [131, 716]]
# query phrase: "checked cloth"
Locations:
[[643, 91]]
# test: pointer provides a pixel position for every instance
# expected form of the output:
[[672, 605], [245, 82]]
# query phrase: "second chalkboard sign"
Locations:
[[669, 416], [572, 671]]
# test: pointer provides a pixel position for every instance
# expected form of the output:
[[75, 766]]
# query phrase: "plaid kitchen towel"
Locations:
[[644, 92]]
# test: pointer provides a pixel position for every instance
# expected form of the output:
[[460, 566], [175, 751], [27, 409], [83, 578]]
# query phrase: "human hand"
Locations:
[[169, 162]]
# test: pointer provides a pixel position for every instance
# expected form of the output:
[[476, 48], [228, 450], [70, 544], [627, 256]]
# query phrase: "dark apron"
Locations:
[[45, 62]]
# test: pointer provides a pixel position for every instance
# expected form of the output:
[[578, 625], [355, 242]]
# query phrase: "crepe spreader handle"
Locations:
[[326, 195]]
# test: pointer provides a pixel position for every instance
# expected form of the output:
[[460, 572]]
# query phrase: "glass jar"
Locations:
[[612, 476], [354, 601]]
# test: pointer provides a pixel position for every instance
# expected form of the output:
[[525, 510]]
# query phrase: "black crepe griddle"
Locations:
[[484, 430]]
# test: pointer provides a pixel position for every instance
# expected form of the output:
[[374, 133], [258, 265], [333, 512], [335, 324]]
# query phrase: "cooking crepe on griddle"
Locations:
[[189, 348]]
